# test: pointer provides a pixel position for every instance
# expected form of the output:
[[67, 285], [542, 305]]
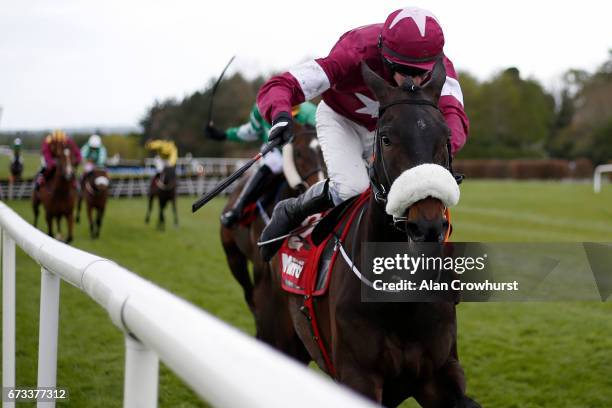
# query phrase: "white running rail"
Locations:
[[221, 364], [599, 170]]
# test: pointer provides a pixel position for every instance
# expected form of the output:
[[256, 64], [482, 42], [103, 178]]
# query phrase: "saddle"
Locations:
[[307, 258]]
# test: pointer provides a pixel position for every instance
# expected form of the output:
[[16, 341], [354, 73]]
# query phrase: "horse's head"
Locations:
[[302, 159], [63, 154], [411, 155]]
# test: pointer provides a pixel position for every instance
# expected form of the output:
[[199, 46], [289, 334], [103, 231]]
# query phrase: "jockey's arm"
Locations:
[[45, 150], [451, 105], [76, 152], [153, 145], [243, 133], [306, 81], [102, 157], [85, 151]]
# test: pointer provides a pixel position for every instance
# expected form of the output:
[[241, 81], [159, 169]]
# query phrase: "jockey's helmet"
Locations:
[[411, 38], [17, 142], [95, 141], [58, 136]]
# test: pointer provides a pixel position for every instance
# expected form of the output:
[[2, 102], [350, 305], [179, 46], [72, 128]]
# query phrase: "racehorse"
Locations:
[[58, 195], [163, 186], [303, 167], [16, 169], [387, 351], [95, 192]]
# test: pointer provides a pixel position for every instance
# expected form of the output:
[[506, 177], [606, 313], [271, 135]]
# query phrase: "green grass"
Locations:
[[514, 355], [31, 164]]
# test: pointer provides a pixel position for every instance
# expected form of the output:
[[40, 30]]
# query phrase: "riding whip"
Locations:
[[214, 90], [225, 183]]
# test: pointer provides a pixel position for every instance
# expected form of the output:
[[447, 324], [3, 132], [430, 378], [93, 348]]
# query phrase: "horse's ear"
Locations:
[[433, 87], [377, 85]]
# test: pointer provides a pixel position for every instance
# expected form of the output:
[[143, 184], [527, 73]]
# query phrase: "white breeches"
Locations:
[[274, 160], [346, 147]]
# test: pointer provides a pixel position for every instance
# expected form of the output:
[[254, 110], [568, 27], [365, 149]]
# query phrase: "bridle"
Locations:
[[381, 188]]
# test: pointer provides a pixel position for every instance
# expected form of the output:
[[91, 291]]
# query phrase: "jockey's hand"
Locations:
[[214, 133], [282, 129]]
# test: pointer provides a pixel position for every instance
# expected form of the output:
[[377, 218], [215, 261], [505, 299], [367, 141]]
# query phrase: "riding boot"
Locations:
[[40, 178], [289, 214], [250, 192]]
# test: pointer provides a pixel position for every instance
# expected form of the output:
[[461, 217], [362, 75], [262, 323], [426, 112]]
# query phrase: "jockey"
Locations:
[[408, 43], [94, 154], [257, 129], [49, 161], [166, 152], [16, 148]]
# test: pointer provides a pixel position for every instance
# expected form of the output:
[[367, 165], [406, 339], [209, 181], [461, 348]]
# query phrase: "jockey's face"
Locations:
[[400, 78]]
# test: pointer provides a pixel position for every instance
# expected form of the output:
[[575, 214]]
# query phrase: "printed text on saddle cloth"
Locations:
[[419, 182]]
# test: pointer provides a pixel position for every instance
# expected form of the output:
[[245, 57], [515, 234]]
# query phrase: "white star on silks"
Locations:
[[371, 106], [418, 15]]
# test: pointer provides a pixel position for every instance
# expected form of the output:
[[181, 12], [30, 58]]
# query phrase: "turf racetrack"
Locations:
[[514, 355]]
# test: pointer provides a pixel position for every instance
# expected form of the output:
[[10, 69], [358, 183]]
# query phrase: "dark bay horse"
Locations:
[[95, 191], [388, 351], [58, 195], [303, 166], [16, 170], [163, 186]]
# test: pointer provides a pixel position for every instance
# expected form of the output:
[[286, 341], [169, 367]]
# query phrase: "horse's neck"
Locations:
[[60, 184]]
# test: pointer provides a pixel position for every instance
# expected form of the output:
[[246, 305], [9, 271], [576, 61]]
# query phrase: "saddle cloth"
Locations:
[[306, 263]]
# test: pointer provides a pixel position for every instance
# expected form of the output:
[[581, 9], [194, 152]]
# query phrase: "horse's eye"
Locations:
[[386, 141]]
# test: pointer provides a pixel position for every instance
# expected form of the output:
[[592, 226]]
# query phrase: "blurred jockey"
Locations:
[[16, 148], [49, 161], [408, 43], [257, 129], [167, 154], [94, 156]]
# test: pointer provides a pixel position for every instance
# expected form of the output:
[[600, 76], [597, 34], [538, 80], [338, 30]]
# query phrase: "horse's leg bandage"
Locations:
[[417, 183]]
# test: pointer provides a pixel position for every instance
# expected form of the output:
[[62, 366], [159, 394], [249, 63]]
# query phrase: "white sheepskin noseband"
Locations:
[[417, 183]]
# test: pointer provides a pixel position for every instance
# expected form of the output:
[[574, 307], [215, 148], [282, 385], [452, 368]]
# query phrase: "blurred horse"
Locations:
[[95, 191], [163, 186], [58, 195], [16, 170], [303, 166]]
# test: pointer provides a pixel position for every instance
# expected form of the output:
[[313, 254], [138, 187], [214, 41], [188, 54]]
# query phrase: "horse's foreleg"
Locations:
[[70, 220], [92, 233], [446, 387], [149, 208], [49, 220], [59, 225], [237, 262], [35, 205], [99, 216], [78, 211], [174, 211], [161, 222]]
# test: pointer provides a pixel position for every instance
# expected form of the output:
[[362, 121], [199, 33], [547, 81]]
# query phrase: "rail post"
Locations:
[[8, 313], [141, 375], [48, 332]]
